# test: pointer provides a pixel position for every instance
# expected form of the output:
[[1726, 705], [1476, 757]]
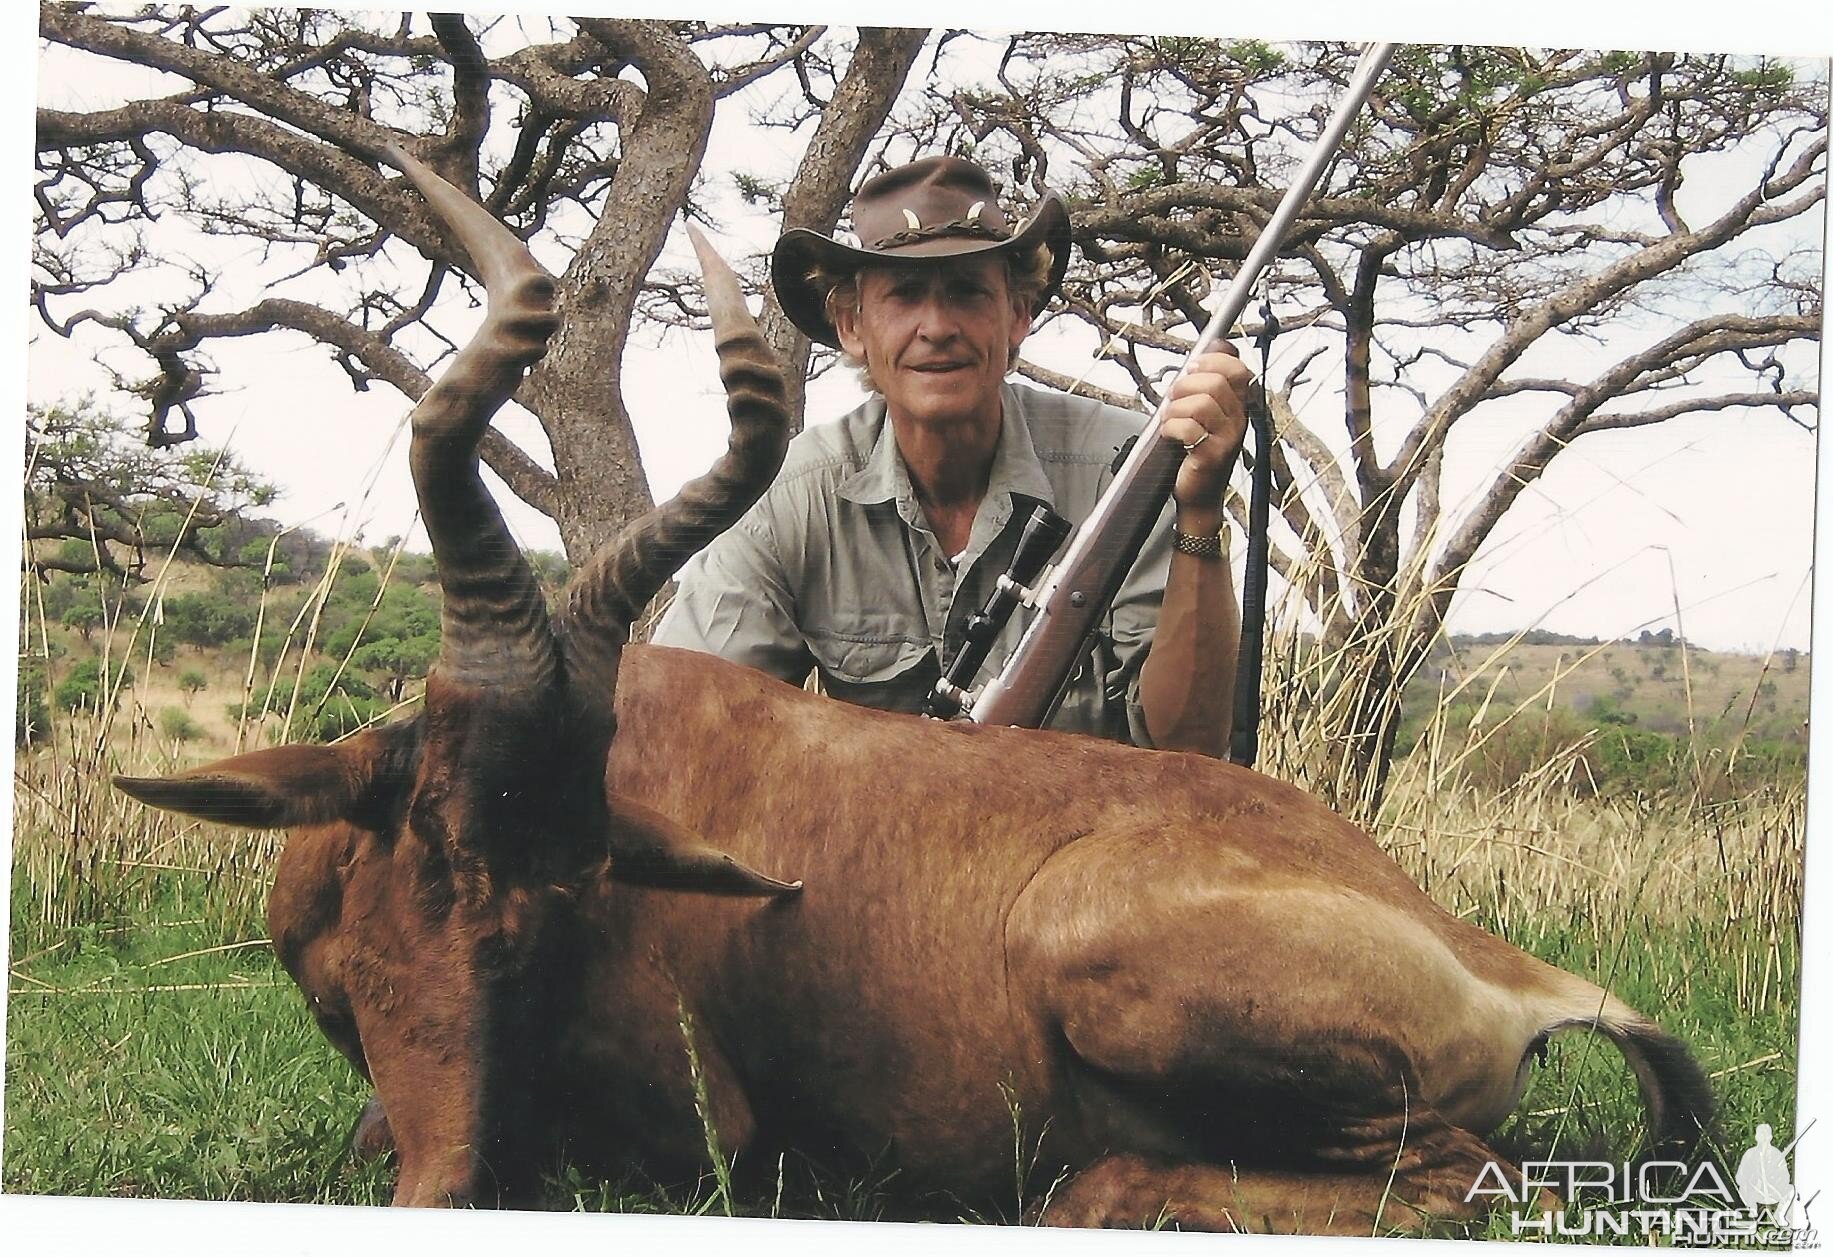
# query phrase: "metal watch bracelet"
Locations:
[[1206, 546]]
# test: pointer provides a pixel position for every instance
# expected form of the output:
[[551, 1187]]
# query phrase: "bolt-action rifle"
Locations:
[[1071, 597]]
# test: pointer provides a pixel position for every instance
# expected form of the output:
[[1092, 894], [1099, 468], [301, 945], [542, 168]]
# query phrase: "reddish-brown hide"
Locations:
[[1210, 998]]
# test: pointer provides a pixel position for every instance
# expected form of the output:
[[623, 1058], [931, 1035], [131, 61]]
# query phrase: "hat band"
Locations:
[[960, 227]]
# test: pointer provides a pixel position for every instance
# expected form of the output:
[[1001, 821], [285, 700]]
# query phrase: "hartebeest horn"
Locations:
[[607, 595], [494, 621], [495, 624]]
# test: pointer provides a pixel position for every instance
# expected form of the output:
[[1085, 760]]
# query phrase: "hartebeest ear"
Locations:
[[649, 849], [282, 786]]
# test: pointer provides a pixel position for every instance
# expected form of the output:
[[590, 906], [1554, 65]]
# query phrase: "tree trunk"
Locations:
[[581, 403], [577, 389], [824, 179]]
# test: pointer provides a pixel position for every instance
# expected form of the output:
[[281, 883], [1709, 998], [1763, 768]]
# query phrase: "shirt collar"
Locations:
[[1016, 469], [882, 478]]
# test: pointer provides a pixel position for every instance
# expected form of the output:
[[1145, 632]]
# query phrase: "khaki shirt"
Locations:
[[834, 568]]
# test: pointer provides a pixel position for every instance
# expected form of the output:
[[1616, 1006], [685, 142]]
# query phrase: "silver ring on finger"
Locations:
[[1191, 445]]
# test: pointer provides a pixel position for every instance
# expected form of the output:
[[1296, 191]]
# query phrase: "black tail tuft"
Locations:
[[1679, 1095]]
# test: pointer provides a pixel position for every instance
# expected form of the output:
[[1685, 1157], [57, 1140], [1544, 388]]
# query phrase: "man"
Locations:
[[885, 531]]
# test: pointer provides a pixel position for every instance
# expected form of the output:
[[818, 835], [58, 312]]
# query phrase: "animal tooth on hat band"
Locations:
[[916, 224], [973, 211]]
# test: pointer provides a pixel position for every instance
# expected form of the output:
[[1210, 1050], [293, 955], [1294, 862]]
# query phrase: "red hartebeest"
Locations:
[[1219, 1002]]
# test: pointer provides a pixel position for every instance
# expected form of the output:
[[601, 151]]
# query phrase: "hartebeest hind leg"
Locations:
[[1420, 1186], [1280, 1062], [1333, 1140]]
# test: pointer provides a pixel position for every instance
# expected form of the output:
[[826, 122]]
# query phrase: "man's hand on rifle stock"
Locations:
[[1208, 415]]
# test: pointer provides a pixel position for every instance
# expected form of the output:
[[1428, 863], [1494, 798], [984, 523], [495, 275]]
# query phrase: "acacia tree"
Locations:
[[1493, 210], [96, 500], [1493, 204], [587, 132]]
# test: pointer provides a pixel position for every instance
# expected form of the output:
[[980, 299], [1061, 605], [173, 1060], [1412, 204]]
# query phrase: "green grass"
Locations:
[[133, 1074]]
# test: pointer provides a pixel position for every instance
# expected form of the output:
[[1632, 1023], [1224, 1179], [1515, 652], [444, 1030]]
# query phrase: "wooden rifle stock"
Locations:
[[1085, 580]]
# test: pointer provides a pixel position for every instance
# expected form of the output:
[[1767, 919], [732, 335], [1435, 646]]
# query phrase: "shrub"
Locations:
[[400, 638], [398, 660], [82, 686], [162, 648], [191, 681], [1605, 711], [85, 617], [331, 708], [175, 724], [356, 585], [1626, 760], [207, 619], [253, 554], [59, 593]]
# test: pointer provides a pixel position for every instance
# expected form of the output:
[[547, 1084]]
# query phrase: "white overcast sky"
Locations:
[[1712, 515]]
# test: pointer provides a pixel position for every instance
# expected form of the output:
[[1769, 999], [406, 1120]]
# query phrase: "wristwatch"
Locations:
[[1206, 546]]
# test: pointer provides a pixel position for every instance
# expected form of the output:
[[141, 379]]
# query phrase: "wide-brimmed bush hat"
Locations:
[[940, 207]]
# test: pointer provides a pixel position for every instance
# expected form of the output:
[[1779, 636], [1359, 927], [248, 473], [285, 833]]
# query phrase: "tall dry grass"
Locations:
[[84, 854], [1719, 850]]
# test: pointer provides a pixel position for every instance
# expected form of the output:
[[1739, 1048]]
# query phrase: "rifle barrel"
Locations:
[[1090, 573]]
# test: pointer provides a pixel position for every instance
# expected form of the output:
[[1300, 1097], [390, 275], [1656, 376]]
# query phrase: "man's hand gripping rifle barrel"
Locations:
[[1074, 594]]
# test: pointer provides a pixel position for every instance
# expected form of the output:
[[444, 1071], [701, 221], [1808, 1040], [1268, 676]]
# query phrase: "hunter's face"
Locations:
[[936, 339]]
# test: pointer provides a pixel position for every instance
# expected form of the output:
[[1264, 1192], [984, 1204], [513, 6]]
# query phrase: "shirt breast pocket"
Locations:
[[891, 672]]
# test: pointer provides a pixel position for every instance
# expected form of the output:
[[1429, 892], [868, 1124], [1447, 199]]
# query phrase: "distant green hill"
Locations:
[[1642, 703], [209, 648], [1659, 685]]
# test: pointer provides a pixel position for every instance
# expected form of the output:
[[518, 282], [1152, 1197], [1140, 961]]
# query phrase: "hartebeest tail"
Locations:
[[1675, 1090], [1533, 1001]]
